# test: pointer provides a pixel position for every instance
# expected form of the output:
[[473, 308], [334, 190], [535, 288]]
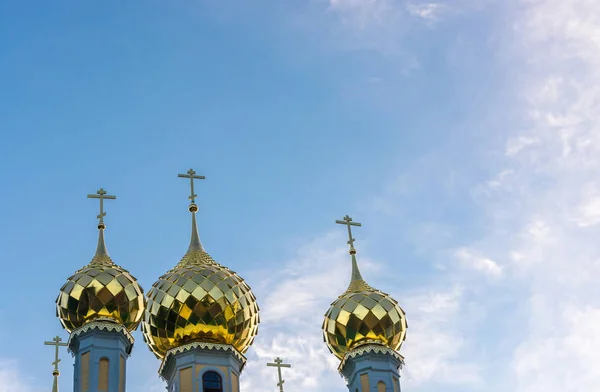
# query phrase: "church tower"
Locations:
[[200, 319], [364, 328], [100, 305]]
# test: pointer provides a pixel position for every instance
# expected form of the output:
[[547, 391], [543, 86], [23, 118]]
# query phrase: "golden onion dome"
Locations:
[[363, 315], [101, 289], [199, 300]]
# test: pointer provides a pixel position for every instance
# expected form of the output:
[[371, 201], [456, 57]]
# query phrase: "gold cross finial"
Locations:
[[279, 364], [191, 174], [348, 222], [56, 342], [101, 194]]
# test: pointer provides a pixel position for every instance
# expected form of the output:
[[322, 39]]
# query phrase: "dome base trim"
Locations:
[[99, 325], [369, 348], [203, 346]]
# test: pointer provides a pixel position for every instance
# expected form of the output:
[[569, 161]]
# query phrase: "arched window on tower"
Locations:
[[211, 382], [103, 375], [381, 386]]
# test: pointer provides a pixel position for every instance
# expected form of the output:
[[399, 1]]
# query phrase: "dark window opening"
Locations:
[[211, 382]]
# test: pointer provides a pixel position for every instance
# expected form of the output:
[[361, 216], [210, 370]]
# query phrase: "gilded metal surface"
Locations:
[[359, 317], [199, 300], [362, 314], [100, 289]]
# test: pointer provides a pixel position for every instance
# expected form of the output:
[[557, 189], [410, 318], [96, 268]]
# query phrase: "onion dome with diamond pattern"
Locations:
[[199, 300], [363, 315], [103, 290]]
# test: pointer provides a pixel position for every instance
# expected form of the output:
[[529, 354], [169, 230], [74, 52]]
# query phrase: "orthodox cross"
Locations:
[[348, 222], [56, 342], [191, 174], [279, 364], [101, 194]]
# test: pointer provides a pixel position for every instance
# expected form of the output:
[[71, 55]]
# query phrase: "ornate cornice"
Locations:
[[100, 325], [370, 348], [201, 345]]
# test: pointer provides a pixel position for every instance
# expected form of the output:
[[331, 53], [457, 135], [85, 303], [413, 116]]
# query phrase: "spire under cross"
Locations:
[[348, 222], [191, 174], [56, 342], [279, 364], [101, 194]]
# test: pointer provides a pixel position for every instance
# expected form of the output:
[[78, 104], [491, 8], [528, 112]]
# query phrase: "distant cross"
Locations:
[[191, 174], [101, 194], [56, 342], [279, 364], [348, 222]]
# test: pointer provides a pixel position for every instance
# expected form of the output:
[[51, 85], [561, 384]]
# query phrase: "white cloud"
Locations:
[[552, 232], [513, 146], [588, 211], [540, 212], [293, 303], [381, 26], [12, 378], [428, 11], [567, 361], [434, 345], [295, 299], [472, 259]]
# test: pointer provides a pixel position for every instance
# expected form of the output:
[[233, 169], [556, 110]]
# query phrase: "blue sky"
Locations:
[[463, 135]]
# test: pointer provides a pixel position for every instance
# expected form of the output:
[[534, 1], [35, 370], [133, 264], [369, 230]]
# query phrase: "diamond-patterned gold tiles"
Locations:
[[199, 300], [364, 316], [100, 289]]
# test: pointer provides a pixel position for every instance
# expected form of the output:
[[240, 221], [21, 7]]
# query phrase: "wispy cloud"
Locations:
[[434, 347], [427, 11], [293, 303], [561, 40], [296, 298], [539, 209], [13, 379], [474, 260]]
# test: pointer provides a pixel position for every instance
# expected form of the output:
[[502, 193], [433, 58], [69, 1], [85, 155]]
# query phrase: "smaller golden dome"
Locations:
[[362, 314], [199, 300], [361, 317], [101, 289]]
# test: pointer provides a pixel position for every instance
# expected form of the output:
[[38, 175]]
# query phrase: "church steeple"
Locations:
[[200, 314], [363, 328], [357, 283], [100, 305], [101, 252], [195, 243]]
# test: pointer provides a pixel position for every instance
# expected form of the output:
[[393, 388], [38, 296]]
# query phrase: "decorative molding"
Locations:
[[100, 324], [368, 348], [201, 345]]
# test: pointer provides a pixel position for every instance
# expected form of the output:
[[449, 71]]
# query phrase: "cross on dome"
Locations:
[[348, 222], [101, 194], [191, 174]]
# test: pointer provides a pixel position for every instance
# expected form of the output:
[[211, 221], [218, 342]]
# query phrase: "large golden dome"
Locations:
[[199, 300], [363, 315], [101, 289]]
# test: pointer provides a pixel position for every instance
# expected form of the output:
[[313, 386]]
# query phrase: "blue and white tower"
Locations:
[[100, 305], [365, 328]]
